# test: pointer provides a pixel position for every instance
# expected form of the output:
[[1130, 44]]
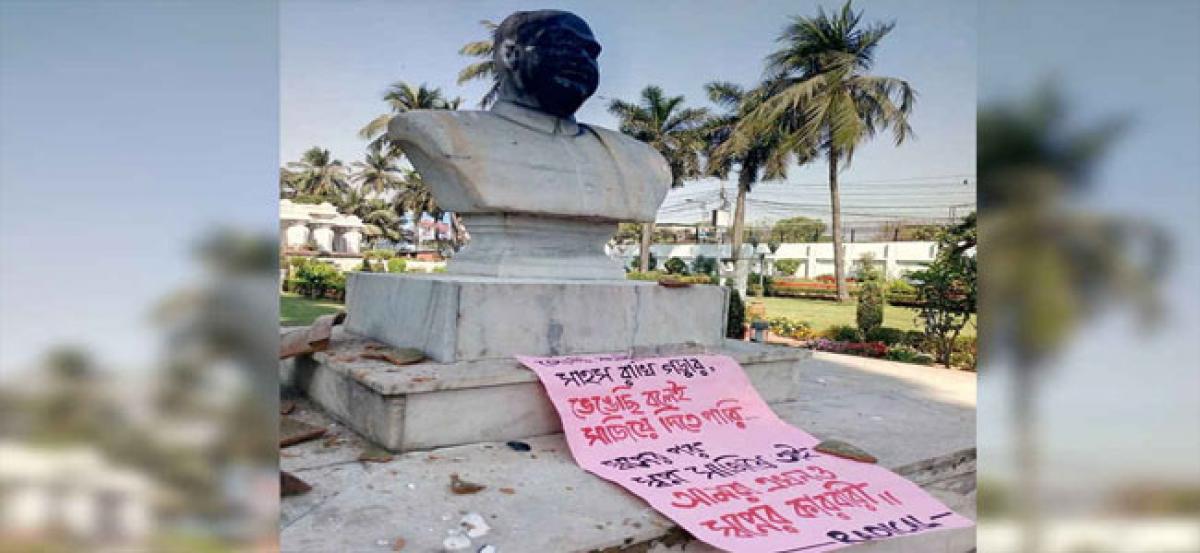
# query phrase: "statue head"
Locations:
[[546, 60]]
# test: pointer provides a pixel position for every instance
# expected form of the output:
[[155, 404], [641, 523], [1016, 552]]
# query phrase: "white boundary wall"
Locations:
[[816, 258]]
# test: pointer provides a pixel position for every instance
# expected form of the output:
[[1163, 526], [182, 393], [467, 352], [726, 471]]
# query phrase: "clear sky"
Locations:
[[126, 130], [338, 58]]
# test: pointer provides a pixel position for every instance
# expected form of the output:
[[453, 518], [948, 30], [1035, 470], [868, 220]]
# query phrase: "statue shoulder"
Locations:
[[634, 151], [436, 130]]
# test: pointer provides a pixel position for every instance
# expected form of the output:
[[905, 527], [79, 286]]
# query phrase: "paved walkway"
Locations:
[[541, 501]]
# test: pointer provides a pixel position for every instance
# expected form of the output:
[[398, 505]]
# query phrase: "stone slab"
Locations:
[[464, 318], [557, 507], [427, 405]]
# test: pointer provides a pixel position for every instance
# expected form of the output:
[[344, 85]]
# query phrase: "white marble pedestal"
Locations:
[[466, 318]]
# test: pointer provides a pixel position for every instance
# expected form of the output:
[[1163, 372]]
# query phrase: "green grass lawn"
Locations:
[[295, 310], [823, 314]]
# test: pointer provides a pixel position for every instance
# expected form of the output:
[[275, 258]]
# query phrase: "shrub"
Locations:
[[379, 254], [396, 265], [638, 275], [652, 263], [869, 312], [962, 359], [790, 328], [365, 266], [787, 267], [316, 278], [901, 292], [947, 289], [842, 333], [886, 334], [676, 266], [914, 338], [735, 318], [704, 265], [867, 349], [908, 354]]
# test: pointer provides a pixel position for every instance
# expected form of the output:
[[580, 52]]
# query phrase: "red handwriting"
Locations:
[[727, 411], [666, 399], [754, 522], [838, 498], [795, 477], [713, 495], [618, 402], [614, 431]]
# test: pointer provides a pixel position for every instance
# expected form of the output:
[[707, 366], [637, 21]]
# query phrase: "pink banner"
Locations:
[[691, 436]]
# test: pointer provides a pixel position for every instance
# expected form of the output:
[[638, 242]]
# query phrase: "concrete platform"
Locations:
[[427, 405], [918, 420], [464, 318]]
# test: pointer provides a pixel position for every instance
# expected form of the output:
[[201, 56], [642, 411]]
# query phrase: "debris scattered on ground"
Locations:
[[838, 448], [507, 491], [487, 549], [312, 338], [456, 543], [290, 485], [375, 455], [292, 432], [475, 525], [461, 487], [518, 446], [412, 486], [287, 407], [398, 544], [399, 357], [331, 441]]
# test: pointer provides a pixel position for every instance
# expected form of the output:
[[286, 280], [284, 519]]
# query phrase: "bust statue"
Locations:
[[540, 193]]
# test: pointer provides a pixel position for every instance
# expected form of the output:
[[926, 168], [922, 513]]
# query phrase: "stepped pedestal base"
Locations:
[[428, 405]]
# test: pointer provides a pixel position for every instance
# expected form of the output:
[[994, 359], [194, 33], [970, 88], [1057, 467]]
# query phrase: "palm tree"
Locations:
[[401, 97], [1050, 265], [414, 196], [376, 174], [672, 129], [824, 99], [485, 67], [757, 156], [318, 174]]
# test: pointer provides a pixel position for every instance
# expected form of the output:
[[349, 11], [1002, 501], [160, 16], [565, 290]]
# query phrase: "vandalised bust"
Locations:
[[539, 192]]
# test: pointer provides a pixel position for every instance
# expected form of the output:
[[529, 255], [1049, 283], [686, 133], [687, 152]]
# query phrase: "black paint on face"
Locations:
[[559, 67]]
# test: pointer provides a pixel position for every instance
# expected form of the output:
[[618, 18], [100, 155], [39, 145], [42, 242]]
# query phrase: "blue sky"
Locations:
[[338, 58], [127, 130]]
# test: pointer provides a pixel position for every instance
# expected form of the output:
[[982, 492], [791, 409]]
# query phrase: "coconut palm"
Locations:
[[485, 67], [667, 126], [824, 98], [414, 196], [401, 97], [377, 174], [318, 174], [1050, 266], [758, 156]]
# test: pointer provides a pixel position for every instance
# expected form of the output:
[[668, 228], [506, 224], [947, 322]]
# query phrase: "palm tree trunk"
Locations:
[[739, 225], [1027, 456], [835, 209], [644, 250]]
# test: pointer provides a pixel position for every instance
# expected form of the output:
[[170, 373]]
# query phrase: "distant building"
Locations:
[[319, 227]]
